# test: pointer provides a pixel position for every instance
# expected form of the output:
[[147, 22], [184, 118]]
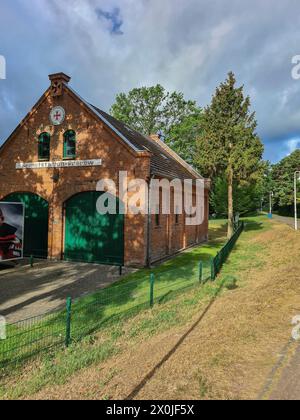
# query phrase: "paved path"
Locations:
[[26, 292], [287, 220], [288, 387]]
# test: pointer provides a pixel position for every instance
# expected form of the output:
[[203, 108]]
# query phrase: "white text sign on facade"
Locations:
[[59, 164]]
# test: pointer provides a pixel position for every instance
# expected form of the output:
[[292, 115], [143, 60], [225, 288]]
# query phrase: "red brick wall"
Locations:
[[170, 237], [94, 140]]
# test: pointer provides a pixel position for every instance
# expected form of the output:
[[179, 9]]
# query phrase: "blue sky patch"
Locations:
[[113, 18]]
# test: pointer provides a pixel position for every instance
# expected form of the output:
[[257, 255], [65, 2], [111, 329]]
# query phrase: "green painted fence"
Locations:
[[218, 261], [83, 317]]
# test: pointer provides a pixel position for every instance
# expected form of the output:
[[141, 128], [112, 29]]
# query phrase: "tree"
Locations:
[[283, 182], [153, 109], [228, 144], [183, 136], [246, 198], [265, 184]]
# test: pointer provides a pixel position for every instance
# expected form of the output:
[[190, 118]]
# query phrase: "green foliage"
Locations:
[[265, 185], [228, 137], [228, 145], [149, 110], [246, 197], [279, 179], [182, 137], [283, 179]]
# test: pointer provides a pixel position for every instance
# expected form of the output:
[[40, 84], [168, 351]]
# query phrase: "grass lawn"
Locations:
[[124, 325], [120, 300]]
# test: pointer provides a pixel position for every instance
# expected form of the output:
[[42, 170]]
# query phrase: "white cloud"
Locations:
[[184, 45], [292, 145]]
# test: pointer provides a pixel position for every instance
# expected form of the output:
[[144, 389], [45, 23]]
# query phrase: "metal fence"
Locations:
[[29, 337], [92, 313], [218, 261]]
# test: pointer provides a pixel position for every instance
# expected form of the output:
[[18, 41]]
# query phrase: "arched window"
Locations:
[[44, 146], [69, 144]]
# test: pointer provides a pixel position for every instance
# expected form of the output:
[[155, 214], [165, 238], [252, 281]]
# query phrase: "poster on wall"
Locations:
[[11, 231]]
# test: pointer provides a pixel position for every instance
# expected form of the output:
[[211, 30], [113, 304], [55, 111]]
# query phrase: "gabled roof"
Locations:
[[164, 161]]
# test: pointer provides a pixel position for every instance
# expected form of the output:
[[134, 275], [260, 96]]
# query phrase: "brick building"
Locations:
[[53, 161]]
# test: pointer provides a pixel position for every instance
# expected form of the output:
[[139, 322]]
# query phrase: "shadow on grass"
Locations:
[[252, 226], [217, 235], [118, 301], [149, 376], [121, 300]]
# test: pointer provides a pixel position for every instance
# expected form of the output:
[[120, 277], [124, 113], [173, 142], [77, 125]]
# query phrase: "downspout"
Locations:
[[148, 258]]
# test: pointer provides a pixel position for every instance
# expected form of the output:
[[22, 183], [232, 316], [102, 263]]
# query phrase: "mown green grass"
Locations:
[[108, 339], [122, 299], [58, 366], [247, 254]]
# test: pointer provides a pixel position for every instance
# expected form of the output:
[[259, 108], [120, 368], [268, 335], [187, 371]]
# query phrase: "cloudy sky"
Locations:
[[108, 46]]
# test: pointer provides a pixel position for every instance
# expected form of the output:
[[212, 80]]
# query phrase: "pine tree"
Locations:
[[228, 144]]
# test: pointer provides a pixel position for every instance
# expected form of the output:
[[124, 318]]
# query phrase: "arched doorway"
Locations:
[[90, 236], [36, 223]]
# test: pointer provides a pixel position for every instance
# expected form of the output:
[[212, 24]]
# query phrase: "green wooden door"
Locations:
[[90, 236], [36, 223]]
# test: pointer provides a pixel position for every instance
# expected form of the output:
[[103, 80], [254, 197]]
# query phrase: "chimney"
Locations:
[[158, 137], [57, 82], [154, 137]]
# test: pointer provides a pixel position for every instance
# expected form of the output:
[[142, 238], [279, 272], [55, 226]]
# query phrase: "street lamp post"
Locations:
[[271, 205], [296, 178]]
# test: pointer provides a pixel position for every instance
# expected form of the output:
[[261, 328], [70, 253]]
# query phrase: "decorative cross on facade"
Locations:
[[57, 116], [56, 88]]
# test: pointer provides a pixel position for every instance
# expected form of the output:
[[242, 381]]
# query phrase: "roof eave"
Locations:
[[181, 161], [25, 119], [105, 121]]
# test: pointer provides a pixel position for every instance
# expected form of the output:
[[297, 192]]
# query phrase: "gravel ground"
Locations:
[[288, 387], [287, 220], [26, 292]]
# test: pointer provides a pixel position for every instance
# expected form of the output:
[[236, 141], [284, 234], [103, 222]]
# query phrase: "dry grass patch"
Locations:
[[229, 353]]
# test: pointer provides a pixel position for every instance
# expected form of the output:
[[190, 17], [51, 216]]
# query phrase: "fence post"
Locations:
[[68, 321], [212, 269], [31, 261], [152, 279], [201, 272]]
